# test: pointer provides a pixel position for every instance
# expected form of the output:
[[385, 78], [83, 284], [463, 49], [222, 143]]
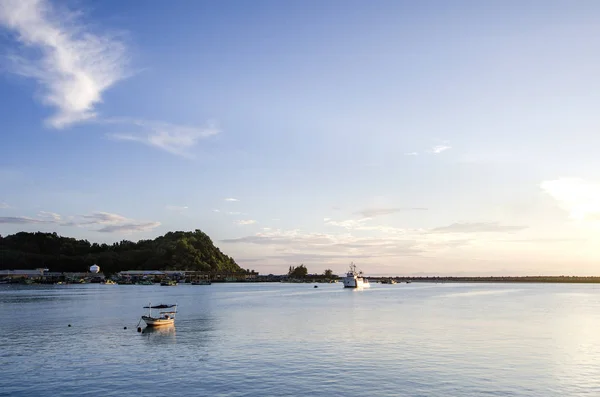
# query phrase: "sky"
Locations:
[[412, 138]]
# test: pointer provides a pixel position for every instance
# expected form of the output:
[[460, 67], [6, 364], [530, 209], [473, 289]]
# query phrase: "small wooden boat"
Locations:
[[164, 317]]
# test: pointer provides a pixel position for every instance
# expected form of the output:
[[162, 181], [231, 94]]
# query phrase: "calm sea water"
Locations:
[[277, 339]]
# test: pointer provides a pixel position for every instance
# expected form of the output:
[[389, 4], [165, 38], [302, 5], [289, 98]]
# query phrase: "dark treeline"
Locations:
[[301, 272], [173, 251]]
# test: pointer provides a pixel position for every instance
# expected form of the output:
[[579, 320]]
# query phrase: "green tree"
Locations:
[[298, 271]]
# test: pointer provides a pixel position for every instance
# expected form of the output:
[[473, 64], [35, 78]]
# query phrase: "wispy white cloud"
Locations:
[[246, 222], [112, 223], [231, 199], [4, 205], [283, 237], [580, 198], [228, 212], [477, 227], [72, 65], [22, 220], [52, 215], [299, 246], [175, 139], [362, 225], [176, 208], [439, 149], [129, 227], [348, 223], [411, 154], [106, 221], [373, 212], [102, 218], [543, 240]]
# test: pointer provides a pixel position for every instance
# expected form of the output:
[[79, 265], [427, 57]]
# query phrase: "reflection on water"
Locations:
[[162, 334]]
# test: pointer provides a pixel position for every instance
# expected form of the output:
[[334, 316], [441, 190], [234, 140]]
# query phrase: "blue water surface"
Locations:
[[275, 339]]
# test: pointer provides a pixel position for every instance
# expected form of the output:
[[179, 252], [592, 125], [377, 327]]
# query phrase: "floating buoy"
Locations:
[[139, 329], [124, 327], [69, 325], [316, 286]]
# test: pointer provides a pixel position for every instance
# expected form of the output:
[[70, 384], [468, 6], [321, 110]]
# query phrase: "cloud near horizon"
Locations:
[[578, 197], [110, 222], [371, 242], [292, 246], [246, 222], [231, 199], [129, 227], [72, 65], [362, 225], [476, 227], [374, 212], [23, 220], [52, 215]]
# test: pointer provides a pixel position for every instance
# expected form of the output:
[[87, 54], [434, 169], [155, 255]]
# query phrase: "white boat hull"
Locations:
[[355, 282], [155, 322]]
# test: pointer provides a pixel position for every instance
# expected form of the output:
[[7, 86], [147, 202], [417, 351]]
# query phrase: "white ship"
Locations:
[[355, 279]]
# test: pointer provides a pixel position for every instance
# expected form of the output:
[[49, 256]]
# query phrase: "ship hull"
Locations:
[[355, 282], [157, 322]]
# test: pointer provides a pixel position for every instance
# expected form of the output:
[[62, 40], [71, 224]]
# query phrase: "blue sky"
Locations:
[[427, 137]]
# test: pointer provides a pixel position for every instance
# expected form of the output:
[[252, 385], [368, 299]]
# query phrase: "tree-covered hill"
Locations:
[[173, 251]]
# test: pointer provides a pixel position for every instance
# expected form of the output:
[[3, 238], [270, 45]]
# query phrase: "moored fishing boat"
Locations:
[[164, 317]]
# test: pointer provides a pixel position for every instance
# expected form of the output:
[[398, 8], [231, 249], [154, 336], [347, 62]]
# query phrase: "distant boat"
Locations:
[[388, 281], [164, 317], [109, 282], [201, 282], [169, 283], [355, 278]]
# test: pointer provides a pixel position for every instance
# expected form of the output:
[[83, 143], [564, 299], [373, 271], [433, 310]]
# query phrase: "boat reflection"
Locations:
[[162, 334]]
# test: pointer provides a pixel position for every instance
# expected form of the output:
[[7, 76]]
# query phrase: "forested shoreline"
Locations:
[[174, 251]]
